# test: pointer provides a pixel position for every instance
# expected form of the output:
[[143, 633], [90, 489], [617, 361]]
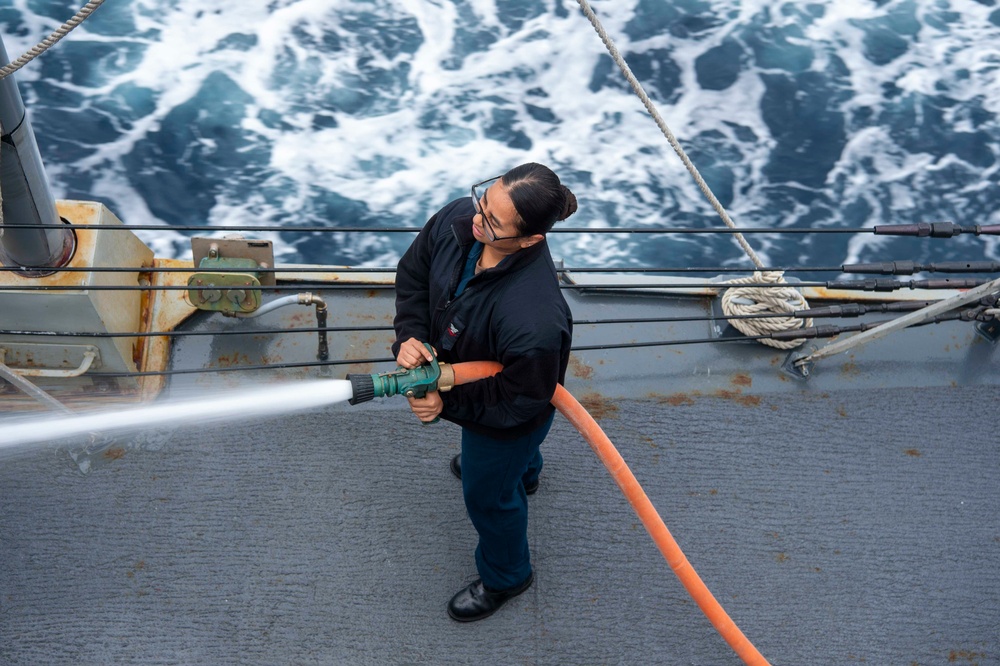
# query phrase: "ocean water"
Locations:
[[375, 113]]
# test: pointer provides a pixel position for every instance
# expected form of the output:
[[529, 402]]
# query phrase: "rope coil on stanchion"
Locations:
[[742, 301], [761, 299]]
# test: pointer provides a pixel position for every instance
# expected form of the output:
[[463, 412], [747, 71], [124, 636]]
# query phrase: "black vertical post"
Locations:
[[25, 190]]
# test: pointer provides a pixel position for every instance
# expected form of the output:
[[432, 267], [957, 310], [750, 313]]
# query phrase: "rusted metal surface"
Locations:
[[649, 285], [163, 310], [598, 406], [78, 309], [78, 213], [333, 276], [347, 308]]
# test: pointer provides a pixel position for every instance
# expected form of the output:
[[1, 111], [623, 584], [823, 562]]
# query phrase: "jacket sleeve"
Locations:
[[413, 287], [531, 351]]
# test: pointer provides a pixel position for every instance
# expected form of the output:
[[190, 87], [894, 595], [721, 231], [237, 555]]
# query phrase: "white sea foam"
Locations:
[[401, 104]]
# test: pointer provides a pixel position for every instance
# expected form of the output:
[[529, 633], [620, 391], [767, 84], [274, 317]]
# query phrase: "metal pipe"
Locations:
[[306, 298], [28, 388], [89, 357], [27, 199], [269, 307], [323, 351]]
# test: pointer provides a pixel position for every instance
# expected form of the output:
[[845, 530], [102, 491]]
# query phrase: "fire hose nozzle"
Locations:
[[412, 383], [362, 388]]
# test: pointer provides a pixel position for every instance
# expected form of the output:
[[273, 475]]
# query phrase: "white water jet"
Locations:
[[263, 401]]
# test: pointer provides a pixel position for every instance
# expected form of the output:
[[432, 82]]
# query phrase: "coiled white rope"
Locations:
[[739, 300], [765, 300], [46, 43]]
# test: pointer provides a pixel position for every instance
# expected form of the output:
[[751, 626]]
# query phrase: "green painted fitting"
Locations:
[[226, 292], [411, 383]]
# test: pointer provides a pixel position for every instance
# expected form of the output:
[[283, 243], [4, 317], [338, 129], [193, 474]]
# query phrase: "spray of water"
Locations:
[[257, 402]]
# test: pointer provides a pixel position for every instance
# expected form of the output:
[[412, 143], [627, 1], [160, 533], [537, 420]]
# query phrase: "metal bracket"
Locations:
[[261, 251], [231, 278], [798, 365], [989, 329]]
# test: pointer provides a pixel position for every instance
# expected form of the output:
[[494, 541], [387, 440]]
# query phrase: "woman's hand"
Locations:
[[413, 353], [427, 408]]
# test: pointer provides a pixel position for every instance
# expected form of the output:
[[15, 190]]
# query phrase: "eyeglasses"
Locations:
[[478, 201]]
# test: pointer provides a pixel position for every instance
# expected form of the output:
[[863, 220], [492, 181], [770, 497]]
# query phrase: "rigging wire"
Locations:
[[882, 268], [307, 364], [821, 332], [871, 284], [392, 269], [389, 230], [921, 229], [834, 311], [182, 334]]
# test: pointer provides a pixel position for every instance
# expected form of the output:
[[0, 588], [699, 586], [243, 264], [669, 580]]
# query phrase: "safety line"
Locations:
[[554, 230], [862, 285]]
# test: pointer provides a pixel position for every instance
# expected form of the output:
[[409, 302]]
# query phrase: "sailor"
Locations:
[[478, 284]]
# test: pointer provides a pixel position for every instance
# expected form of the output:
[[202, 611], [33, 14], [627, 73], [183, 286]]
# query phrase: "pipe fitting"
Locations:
[[446, 381], [409, 382]]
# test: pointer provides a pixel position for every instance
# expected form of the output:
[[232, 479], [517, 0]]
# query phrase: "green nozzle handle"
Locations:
[[412, 383]]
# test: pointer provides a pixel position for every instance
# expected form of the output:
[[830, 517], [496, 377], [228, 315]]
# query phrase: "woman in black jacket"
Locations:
[[479, 284]]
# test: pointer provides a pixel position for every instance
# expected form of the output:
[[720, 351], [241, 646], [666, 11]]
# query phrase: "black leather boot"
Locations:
[[476, 602]]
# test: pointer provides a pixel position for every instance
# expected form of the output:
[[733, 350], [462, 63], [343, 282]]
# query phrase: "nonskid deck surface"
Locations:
[[858, 526]]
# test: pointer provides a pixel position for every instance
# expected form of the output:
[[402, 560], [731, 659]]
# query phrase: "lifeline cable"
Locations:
[[879, 269], [884, 268], [827, 312], [830, 331], [877, 285], [920, 230]]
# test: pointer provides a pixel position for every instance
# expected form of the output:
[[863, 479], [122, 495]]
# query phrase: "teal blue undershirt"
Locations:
[[470, 268]]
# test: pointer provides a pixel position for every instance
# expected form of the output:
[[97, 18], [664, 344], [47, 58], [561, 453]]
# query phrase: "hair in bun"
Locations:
[[538, 196]]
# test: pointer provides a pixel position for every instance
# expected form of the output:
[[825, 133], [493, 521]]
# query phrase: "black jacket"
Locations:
[[513, 313]]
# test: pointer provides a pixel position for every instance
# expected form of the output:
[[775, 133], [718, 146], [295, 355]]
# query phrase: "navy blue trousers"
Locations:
[[494, 472]]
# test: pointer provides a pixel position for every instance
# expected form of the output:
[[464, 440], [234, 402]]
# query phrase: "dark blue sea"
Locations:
[[375, 113]]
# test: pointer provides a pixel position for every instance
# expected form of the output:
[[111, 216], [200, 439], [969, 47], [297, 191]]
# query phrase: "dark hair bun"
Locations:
[[539, 198], [570, 207]]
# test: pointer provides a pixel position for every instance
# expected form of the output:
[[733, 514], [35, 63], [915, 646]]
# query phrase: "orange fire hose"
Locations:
[[606, 451]]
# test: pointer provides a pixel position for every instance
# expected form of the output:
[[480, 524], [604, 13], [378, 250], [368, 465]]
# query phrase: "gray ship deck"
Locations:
[[848, 519]]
